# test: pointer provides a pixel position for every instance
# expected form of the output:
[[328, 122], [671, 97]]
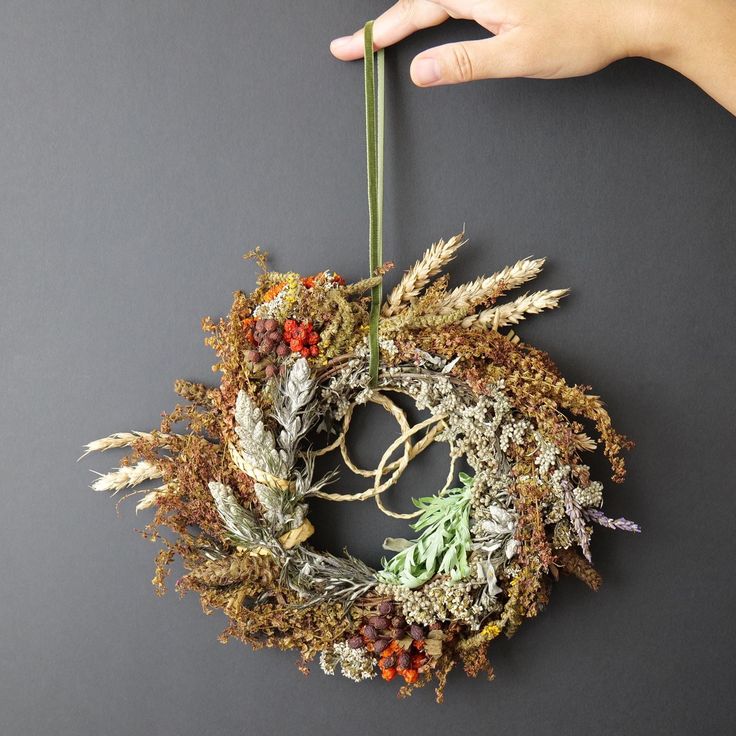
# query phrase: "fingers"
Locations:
[[481, 11], [398, 22], [490, 58], [459, 8]]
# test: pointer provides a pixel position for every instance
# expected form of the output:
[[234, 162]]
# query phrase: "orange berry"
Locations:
[[410, 676], [295, 345], [389, 674], [305, 352]]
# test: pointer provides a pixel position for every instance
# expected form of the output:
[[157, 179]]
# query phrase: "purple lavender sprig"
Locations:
[[575, 514], [623, 524]]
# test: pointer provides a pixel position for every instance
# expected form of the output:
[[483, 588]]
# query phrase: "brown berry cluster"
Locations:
[[398, 646], [267, 337]]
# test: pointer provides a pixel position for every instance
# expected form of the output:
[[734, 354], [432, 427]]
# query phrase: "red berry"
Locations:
[[295, 345], [314, 351], [313, 338], [305, 352]]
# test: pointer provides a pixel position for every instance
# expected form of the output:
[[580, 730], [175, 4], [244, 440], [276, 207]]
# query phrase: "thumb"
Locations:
[[466, 61]]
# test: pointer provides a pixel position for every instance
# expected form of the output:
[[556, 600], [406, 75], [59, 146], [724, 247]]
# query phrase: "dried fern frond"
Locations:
[[435, 258], [486, 288], [516, 311], [127, 476]]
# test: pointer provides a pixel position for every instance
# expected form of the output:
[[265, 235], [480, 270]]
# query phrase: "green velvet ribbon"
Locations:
[[374, 124]]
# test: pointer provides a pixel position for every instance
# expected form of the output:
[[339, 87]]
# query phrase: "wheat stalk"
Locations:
[[127, 476], [485, 288], [435, 258], [515, 311], [151, 498], [123, 439]]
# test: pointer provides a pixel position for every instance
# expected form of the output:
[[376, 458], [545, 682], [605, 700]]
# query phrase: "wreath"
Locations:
[[294, 356]]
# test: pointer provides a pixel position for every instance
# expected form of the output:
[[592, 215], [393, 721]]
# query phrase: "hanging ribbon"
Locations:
[[374, 84]]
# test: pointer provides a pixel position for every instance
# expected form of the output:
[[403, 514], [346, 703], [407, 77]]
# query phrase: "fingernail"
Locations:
[[426, 71], [340, 42]]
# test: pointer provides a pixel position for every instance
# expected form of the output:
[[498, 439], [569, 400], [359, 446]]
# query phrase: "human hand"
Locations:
[[532, 38]]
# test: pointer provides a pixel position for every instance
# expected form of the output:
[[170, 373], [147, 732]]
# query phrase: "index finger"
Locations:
[[398, 22]]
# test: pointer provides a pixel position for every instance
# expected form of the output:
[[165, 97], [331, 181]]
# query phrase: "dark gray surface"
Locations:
[[145, 145]]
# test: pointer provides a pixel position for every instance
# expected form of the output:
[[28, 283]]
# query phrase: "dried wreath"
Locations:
[[297, 356]]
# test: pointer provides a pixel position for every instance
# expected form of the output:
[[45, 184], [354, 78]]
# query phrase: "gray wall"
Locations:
[[144, 146]]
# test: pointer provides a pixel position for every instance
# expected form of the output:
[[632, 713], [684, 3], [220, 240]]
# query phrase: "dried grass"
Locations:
[[435, 258], [517, 310], [487, 288], [127, 476], [123, 439]]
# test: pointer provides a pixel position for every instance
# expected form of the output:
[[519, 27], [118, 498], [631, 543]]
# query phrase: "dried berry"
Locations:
[[403, 661], [386, 608], [416, 631], [380, 645], [380, 622], [389, 661], [370, 633], [356, 642]]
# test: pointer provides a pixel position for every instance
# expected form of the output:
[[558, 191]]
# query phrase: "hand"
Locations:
[[532, 38]]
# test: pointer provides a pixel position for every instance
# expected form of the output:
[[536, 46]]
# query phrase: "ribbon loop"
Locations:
[[374, 128]]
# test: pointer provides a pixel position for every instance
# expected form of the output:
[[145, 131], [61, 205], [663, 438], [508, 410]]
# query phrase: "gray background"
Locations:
[[145, 145]]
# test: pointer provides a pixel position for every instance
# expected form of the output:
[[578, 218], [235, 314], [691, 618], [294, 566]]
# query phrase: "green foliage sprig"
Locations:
[[444, 545]]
